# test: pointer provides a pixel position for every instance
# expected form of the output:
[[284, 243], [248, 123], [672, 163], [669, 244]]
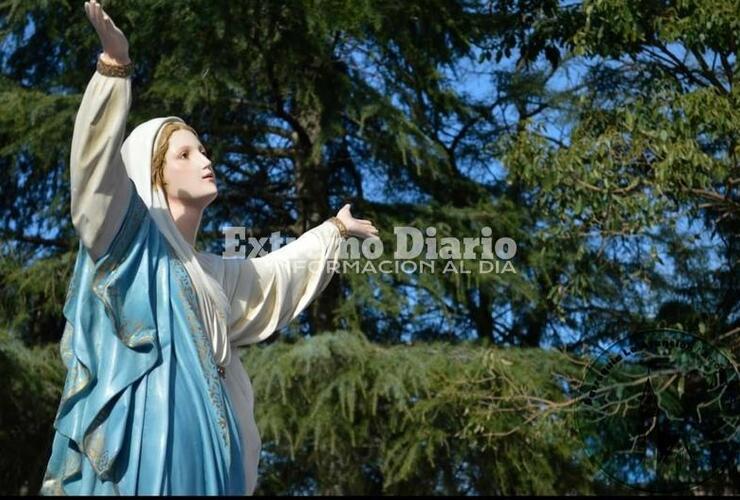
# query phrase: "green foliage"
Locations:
[[432, 418], [310, 103], [348, 416], [602, 136], [29, 397], [32, 297], [647, 169]]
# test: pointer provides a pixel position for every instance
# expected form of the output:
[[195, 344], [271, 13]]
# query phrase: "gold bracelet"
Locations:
[[340, 225], [119, 70]]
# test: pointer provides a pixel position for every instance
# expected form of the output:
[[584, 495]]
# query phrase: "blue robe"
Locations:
[[143, 410]]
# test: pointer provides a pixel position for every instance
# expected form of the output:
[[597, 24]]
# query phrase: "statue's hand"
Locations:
[[362, 228], [115, 45]]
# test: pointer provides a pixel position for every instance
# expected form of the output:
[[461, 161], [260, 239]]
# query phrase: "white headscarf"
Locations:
[[137, 152]]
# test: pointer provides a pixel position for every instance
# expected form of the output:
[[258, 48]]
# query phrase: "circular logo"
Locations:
[[658, 410]]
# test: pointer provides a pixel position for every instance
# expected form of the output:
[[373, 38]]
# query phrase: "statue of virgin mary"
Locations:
[[156, 401]]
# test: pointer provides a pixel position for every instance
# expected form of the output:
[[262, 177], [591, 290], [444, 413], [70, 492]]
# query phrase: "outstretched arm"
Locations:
[[268, 292], [100, 188]]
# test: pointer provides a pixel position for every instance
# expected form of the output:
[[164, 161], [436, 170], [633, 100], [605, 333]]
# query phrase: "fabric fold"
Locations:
[[143, 409], [105, 354]]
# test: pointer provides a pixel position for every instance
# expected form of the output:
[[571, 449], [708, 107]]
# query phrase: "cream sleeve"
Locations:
[[267, 292], [99, 184]]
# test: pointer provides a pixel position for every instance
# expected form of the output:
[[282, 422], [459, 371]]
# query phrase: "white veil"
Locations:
[[137, 152]]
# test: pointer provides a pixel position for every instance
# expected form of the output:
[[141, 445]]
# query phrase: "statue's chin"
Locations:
[[201, 200], [213, 197]]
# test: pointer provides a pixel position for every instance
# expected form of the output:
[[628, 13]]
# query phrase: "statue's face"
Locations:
[[188, 172]]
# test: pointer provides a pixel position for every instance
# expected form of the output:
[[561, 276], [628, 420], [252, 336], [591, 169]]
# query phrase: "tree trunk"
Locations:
[[312, 190]]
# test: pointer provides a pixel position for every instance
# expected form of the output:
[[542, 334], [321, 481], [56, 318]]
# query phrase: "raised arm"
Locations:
[[100, 188]]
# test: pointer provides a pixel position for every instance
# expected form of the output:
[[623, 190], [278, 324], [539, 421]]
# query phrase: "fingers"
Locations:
[[347, 208], [96, 8], [90, 15], [370, 230], [97, 15], [103, 19], [91, 11], [111, 37], [366, 226]]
